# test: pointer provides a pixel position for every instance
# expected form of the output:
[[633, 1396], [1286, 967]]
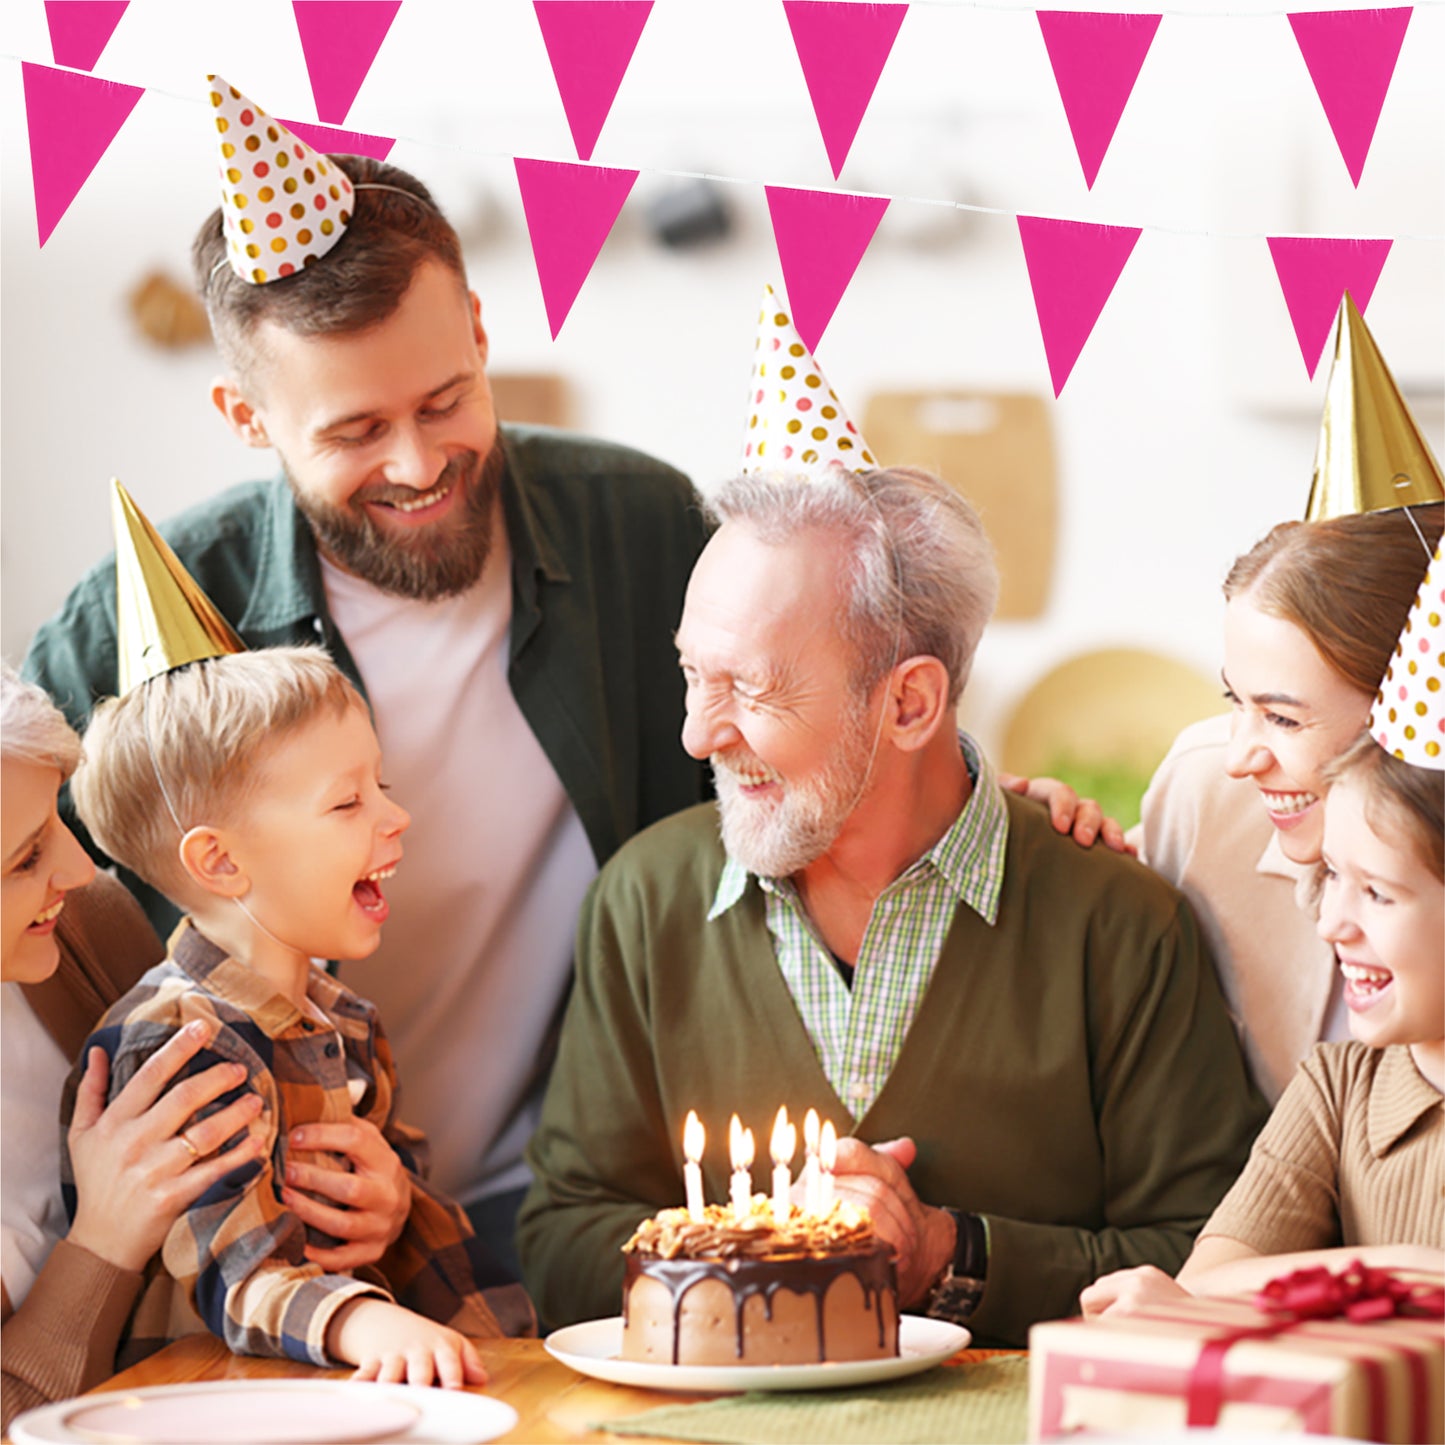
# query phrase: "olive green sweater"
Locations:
[[1071, 1075]]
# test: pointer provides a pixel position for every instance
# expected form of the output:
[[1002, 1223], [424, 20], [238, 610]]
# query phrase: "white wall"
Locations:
[[1186, 429]]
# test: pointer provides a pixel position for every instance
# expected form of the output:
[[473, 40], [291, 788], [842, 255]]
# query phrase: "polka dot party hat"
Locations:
[[795, 421], [1408, 718], [282, 204]]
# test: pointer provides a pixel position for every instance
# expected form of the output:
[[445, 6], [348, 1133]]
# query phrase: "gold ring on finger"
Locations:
[[186, 1140]]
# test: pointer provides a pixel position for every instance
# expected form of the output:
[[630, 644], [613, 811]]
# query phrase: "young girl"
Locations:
[[1349, 1164]]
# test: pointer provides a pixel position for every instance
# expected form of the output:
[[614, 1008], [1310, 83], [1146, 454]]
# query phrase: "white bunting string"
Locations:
[[758, 183]]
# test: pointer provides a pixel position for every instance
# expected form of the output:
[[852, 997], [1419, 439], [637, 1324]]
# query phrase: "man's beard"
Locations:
[[776, 839], [426, 564]]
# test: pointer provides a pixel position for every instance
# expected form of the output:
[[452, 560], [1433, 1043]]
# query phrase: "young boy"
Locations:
[[247, 788]]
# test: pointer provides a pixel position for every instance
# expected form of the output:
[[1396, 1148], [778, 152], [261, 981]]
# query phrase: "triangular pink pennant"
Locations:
[[1314, 274], [821, 238], [330, 139], [1351, 56], [1096, 60], [570, 210], [340, 39], [590, 44], [1073, 266], [843, 48], [79, 29], [71, 118]]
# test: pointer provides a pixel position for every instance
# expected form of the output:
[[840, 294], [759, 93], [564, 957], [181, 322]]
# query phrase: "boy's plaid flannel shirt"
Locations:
[[234, 1262]]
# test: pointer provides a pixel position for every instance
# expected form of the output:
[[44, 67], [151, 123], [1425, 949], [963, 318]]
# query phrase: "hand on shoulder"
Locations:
[[139, 1162]]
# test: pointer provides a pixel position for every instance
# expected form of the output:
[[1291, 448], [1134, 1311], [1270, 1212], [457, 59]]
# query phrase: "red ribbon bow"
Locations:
[[1358, 1294]]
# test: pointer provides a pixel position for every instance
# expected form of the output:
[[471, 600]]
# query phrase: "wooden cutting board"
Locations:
[[996, 448]]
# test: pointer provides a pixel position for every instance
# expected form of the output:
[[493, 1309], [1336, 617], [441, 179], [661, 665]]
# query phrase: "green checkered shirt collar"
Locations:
[[970, 855]]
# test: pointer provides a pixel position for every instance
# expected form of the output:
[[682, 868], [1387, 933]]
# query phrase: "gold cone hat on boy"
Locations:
[[162, 618], [1371, 456]]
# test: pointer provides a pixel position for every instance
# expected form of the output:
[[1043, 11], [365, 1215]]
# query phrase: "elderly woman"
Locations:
[[69, 947]]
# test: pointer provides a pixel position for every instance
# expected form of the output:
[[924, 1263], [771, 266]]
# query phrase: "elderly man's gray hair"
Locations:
[[921, 578]]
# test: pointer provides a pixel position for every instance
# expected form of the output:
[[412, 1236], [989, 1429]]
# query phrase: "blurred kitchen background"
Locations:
[[1186, 430]]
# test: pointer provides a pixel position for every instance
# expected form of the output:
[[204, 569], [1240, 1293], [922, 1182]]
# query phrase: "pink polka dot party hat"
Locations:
[[1408, 718], [795, 421], [282, 204]]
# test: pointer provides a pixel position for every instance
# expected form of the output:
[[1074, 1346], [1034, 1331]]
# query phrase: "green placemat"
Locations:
[[978, 1403]]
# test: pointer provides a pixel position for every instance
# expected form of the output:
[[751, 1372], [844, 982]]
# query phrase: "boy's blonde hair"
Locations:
[[210, 724]]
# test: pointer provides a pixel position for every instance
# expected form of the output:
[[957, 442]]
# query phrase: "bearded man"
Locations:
[[504, 596], [1023, 1040]]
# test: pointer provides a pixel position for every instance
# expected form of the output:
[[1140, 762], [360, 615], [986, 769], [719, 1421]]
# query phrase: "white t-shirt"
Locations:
[[32, 1073], [477, 953]]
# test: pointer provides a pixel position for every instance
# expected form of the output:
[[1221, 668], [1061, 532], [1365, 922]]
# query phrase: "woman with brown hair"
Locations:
[[1233, 816]]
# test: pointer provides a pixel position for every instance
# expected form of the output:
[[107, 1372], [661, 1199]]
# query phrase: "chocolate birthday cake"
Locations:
[[758, 1291]]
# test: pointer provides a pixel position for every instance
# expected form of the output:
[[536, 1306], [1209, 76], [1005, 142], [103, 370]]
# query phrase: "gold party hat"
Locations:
[[162, 619], [1371, 454]]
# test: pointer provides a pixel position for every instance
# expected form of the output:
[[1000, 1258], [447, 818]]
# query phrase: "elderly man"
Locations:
[[1024, 1039], [504, 595]]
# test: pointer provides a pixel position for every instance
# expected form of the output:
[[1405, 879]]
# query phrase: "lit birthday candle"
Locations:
[[811, 1179], [694, 1140], [782, 1147], [827, 1160], [740, 1149]]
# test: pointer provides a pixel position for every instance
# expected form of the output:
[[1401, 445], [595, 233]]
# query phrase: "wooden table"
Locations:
[[552, 1402]]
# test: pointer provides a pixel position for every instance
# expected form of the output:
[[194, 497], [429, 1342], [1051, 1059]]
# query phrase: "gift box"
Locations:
[[1243, 1364]]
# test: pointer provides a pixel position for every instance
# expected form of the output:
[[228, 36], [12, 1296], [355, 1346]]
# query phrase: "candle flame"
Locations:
[[828, 1147], [810, 1131], [784, 1142], [694, 1138], [740, 1145]]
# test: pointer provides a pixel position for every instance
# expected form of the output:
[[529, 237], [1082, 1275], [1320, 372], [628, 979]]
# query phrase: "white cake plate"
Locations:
[[593, 1349]]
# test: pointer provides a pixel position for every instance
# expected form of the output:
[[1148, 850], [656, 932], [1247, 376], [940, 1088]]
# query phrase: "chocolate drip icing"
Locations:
[[812, 1274]]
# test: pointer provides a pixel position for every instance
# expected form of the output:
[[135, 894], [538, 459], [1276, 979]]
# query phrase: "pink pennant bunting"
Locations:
[[590, 44], [843, 48], [1096, 60], [570, 210], [821, 238], [72, 119], [1073, 266], [330, 139], [79, 29], [340, 39], [1351, 56], [1314, 274]]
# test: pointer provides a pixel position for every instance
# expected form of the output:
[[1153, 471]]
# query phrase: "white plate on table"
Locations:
[[268, 1412], [594, 1348]]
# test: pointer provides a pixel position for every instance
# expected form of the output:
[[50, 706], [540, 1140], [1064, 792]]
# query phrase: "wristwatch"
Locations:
[[959, 1288]]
